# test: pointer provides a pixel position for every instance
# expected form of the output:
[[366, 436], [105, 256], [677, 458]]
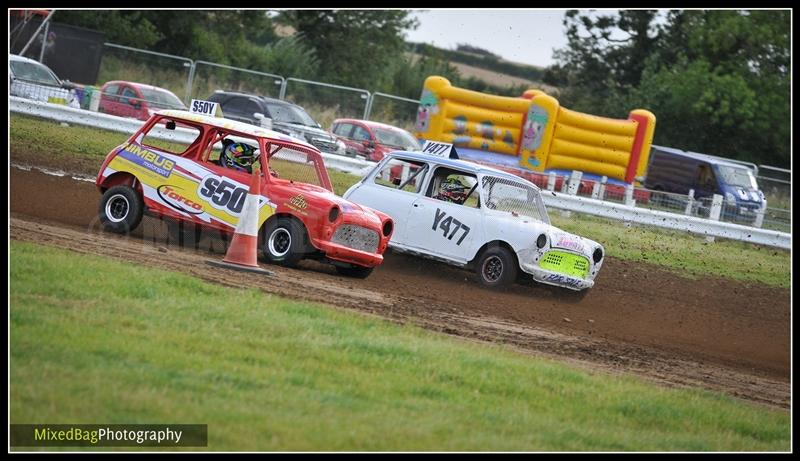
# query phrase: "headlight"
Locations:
[[333, 214], [541, 241], [597, 255], [730, 197]]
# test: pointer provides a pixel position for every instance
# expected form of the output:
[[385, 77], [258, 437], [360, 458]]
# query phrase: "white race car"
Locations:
[[474, 216]]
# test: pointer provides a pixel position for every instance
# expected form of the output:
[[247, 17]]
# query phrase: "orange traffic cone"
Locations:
[[243, 251]]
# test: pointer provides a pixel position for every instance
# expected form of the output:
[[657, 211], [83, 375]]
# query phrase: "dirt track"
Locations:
[[715, 333]]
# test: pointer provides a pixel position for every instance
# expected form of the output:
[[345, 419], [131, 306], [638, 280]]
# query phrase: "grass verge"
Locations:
[[95, 340], [49, 144]]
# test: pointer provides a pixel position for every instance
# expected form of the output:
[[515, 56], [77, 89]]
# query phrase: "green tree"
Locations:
[[717, 81], [355, 48]]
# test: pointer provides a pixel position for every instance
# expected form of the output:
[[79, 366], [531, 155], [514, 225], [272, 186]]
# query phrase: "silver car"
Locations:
[[31, 79]]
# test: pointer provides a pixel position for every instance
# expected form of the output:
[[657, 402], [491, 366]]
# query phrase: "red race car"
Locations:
[[197, 169]]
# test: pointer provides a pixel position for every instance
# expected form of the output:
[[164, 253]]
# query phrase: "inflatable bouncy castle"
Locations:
[[534, 133]]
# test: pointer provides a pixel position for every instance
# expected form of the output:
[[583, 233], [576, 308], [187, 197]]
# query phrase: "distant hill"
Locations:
[[485, 66]]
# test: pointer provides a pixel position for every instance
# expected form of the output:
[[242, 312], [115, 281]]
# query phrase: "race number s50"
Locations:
[[222, 194], [450, 226]]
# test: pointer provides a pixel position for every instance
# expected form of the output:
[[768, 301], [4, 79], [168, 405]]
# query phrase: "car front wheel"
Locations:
[[121, 209], [284, 242], [496, 267]]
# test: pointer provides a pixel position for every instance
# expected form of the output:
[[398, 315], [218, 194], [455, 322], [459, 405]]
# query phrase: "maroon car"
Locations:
[[136, 100], [372, 140]]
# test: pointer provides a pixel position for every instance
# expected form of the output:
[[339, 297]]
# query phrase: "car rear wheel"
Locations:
[[284, 241], [496, 267], [358, 272], [121, 209]]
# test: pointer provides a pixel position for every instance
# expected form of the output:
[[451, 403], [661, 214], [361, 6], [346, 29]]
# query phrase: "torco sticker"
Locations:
[[171, 196]]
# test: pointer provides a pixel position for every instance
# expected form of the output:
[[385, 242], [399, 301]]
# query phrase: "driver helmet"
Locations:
[[452, 190], [238, 155]]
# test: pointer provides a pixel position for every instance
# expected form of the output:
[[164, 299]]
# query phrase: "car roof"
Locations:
[[250, 95], [369, 123], [16, 57], [136, 84], [229, 124], [700, 156], [469, 167]]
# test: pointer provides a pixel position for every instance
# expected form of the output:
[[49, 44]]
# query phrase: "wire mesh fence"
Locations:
[[326, 102], [123, 63], [208, 77]]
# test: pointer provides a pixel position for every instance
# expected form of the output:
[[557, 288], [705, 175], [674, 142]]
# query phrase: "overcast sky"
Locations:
[[526, 36]]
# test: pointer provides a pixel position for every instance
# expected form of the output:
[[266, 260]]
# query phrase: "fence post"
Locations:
[[564, 184], [602, 192], [283, 89], [596, 190], [689, 203], [189, 83], [760, 215], [368, 110], [629, 201], [574, 182], [551, 181], [716, 209]]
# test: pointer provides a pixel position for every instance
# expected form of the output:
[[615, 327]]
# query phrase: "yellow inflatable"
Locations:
[[534, 131]]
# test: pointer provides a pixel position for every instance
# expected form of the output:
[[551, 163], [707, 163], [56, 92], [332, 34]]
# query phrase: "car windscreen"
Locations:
[[515, 197], [290, 114], [33, 72], [396, 138], [739, 177], [161, 99]]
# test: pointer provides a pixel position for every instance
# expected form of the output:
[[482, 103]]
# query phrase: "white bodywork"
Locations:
[[456, 233]]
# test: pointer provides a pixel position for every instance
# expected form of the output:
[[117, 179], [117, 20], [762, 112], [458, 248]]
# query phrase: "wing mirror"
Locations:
[[263, 120]]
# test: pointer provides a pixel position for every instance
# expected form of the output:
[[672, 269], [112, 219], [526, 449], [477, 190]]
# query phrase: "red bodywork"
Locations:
[[361, 141], [314, 211]]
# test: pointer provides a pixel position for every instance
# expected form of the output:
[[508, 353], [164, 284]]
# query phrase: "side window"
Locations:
[[361, 134], [243, 106], [111, 92], [454, 186], [171, 136], [238, 145], [402, 174], [128, 96], [343, 129]]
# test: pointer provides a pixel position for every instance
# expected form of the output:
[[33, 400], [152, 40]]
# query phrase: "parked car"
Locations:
[[174, 167], [31, 79], [676, 171], [284, 117], [372, 140], [136, 100], [474, 216]]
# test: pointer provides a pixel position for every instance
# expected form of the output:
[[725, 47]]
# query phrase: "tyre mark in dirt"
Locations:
[[714, 333]]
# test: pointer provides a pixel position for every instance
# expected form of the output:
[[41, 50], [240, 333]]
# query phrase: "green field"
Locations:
[[95, 340], [40, 141]]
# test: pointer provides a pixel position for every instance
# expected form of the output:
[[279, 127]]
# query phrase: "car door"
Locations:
[[344, 132], [442, 228], [109, 99], [392, 189], [241, 108], [128, 100], [362, 140]]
